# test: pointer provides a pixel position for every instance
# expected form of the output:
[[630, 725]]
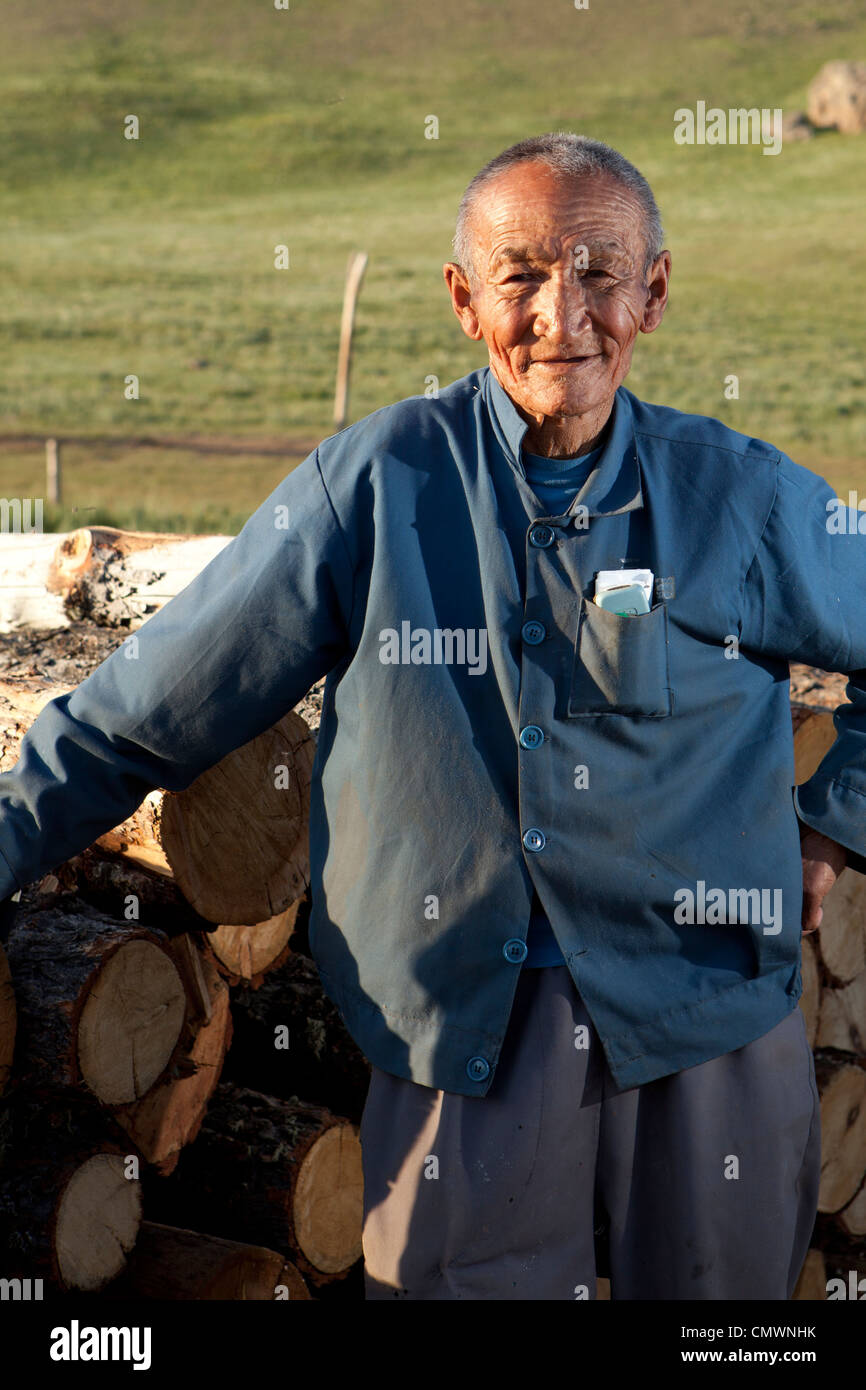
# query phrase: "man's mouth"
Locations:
[[563, 361]]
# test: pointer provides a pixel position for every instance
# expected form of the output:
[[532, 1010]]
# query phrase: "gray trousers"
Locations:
[[707, 1179]]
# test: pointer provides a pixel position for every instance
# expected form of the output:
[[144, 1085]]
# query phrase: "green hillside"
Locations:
[[306, 127]]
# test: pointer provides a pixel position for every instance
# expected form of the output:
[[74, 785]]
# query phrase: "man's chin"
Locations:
[[564, 401], [571, 393]]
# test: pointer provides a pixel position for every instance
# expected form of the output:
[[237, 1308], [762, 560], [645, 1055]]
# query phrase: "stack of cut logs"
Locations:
[[834, 1006], [133, 1160], [166, 1049]]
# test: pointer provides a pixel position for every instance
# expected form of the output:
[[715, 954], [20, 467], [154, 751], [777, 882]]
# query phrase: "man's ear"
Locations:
[[461, 300], [658, 281]]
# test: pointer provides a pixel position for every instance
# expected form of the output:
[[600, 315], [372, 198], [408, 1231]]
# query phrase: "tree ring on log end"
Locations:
[[246, 952], [237, 838], [97, 1223], [329, 1201], [130, 1023]]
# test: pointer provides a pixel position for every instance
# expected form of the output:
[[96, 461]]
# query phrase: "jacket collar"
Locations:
[[613, 486]]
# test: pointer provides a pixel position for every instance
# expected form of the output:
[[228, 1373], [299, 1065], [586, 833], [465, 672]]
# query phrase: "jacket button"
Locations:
[[531, 736], [533, 633], [515, 950], [541, 536], [534, 839], [477, 1068]]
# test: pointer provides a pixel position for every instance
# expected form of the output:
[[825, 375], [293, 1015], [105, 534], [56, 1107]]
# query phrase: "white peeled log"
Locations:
[[116, 578]]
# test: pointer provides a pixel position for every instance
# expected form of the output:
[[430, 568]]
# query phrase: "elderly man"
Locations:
[[557, 874]]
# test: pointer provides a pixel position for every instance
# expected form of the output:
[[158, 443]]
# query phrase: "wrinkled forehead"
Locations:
[[537, 209]]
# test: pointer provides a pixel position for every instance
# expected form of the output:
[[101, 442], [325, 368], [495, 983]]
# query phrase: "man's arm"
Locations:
[[220, 663], [805, 600]]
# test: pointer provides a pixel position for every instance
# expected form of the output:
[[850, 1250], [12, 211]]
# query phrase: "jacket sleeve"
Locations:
[[805, 601], [216, 666]]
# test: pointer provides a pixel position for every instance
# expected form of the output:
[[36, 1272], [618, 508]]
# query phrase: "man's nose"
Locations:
[[560, 310]]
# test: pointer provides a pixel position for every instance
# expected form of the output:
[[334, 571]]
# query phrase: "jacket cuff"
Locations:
[[837, 811], [8, 882]]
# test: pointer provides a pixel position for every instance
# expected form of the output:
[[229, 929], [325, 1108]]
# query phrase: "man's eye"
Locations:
[[518, 275]]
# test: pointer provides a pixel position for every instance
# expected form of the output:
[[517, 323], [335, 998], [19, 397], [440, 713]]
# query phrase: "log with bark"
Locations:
[[70, 1197], [812, 1282], [282, 1174], [834, 1006], [835, 1010], [289, 1040], [109, 880], [169, 1262], [843, 1254], [119, 578], [840, 1071], [122, 889], [246, 954], [243, 954], [116, 578], [100, 1003], [8, 1020], [852, 1218], [170, 1115]]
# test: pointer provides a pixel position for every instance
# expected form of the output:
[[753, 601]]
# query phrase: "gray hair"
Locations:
[[575, 156]]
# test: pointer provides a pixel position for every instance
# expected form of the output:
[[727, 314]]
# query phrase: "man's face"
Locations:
[[560, 294]]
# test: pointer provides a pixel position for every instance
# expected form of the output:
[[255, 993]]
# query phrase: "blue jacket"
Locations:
[[487, 727]]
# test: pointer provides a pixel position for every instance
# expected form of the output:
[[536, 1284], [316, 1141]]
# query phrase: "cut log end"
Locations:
[[814, 735], [170, 1115], [97, 1223], [328, 1206], [263, 859], [842, 931], [130, 1023], [246, 953], [283, 1174]]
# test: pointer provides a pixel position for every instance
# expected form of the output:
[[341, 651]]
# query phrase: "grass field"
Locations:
[[306, 127]]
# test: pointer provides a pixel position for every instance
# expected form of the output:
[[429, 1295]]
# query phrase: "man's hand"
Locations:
[[823, 862]]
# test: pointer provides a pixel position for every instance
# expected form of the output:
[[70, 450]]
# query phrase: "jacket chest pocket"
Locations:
[[621, 663]]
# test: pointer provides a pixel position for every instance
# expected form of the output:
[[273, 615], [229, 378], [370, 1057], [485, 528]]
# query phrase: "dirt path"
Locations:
[[264, 445]]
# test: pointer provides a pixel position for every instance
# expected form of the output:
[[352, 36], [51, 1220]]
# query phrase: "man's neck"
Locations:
[[565, 436]]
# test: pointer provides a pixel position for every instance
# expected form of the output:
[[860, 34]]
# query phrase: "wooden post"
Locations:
[[354, 275], [52, 470]]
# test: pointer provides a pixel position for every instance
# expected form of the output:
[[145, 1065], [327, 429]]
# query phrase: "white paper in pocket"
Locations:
[[608, 580]]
